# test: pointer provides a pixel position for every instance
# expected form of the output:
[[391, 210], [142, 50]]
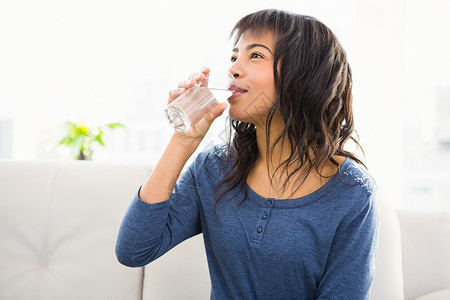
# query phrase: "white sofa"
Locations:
[[59, 223]]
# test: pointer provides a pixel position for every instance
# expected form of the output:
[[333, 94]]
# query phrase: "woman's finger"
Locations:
[[198, 77], [205, 71], [216, 112], [202, 127], [193, 79], [174, 94], [186, 83]]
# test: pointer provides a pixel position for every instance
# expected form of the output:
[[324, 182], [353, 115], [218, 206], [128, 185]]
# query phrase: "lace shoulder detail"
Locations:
[[361, 176], [220, 150]]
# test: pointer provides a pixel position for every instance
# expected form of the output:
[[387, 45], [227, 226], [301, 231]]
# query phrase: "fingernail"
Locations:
[[181, 90]]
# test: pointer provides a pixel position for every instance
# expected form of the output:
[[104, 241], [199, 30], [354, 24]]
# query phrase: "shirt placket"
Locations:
[[262, 220]]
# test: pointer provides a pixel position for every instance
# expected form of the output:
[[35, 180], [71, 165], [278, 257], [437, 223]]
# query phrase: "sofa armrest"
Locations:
[[388, 281], [425, 251]]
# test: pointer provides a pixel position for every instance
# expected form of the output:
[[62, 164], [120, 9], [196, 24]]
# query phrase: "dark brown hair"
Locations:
[[313, 81]]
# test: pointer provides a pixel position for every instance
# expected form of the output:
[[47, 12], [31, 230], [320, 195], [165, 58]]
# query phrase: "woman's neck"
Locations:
[[282, 151], [268, 180], [279, 153]]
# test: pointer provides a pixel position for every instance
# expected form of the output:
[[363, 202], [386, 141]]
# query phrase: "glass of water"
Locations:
[[197, 101]]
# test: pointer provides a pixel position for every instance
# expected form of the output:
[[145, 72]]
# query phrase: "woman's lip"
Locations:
[[237, 94], [236, 89]]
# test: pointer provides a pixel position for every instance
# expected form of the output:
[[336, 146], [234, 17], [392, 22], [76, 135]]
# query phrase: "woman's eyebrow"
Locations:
[[251, 46]]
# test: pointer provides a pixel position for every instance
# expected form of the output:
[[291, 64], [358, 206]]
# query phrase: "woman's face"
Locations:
[[252, 66]]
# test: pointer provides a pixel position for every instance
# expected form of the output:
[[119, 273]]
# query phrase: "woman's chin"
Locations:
[[240, 118], [246, 115], [236, 114]]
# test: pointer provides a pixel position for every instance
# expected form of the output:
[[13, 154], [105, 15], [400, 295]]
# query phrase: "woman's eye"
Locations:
[[233, 59], [256, 55]]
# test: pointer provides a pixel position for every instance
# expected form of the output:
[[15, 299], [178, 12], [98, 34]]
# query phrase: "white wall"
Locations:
[[378, 86], [108, 61]]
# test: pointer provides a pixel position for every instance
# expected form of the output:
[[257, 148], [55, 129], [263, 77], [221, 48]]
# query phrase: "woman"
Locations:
[[285, 211]]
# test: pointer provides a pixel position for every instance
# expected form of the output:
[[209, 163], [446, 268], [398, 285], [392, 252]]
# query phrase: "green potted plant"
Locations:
[[80, 138]]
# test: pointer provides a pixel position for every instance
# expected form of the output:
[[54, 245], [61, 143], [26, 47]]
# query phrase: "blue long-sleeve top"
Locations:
[[320, 246]]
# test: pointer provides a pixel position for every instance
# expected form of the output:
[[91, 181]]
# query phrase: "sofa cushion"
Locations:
[[439, 295], [184, 267], [59, 223]]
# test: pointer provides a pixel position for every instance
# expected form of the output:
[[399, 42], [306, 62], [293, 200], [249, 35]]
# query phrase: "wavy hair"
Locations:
[[313, 81]]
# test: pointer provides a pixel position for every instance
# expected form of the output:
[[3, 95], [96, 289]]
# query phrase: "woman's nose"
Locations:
[[236, 70]]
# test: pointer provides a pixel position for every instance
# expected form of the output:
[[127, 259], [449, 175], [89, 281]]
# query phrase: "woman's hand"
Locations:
[[159, 185], [198, 130]]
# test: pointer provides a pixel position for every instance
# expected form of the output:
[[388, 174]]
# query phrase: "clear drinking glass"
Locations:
[[198, 101]]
